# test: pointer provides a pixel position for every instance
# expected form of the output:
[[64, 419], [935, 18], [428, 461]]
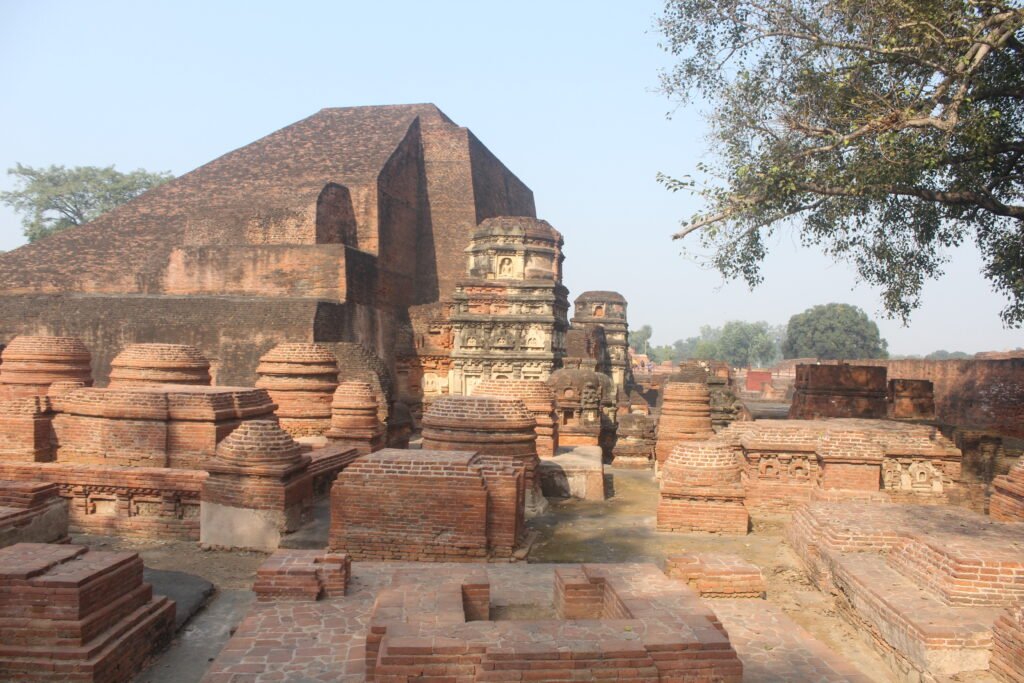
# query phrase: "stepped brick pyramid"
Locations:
[[501, 430], [159, 364], [539, 400], [301, 379], [31, 364], [71, 614], [929, 582], [354, 418], [345, 229], [685, 416]]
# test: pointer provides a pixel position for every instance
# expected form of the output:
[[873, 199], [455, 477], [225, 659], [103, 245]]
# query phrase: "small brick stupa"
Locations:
[[301, 379], [354, 421], [701, 490], [259, 488], [501, 430], [31, 364], [685, 416], [539, 400], [159, 364], [1007, 504], [74, 614]]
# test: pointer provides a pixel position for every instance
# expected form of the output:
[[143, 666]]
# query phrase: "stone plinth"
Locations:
[[71, 614], [576, 473], [259, 488], [1007, 503], [26, 430], [911, 399], [685, 416], [161, 425], [539, 400], [635, 441], [501, 430], [354, 421], [717, 575], [302, 575], [701, 490], [301, 379], [839, 391], [426, 505], [159, 364], [31, 364], [31, 512]]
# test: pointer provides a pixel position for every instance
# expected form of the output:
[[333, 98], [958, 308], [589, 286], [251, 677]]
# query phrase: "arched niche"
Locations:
[[335, 217]]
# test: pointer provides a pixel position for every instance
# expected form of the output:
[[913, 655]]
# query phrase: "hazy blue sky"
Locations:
[[564, 93]]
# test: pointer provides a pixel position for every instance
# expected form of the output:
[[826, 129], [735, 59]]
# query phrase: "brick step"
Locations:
[[16, 633], [911, 620], [136, 636]]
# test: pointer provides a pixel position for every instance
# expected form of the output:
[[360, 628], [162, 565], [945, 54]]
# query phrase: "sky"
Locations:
[[564, 93]]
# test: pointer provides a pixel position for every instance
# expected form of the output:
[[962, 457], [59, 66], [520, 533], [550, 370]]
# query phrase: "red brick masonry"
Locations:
[[70, 614], [302, 575]]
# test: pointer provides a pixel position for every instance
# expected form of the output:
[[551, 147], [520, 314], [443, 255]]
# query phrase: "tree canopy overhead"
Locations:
[[833, 332], [55, 198], [885, 130]]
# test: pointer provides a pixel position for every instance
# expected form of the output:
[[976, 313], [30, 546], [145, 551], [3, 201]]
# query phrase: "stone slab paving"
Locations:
[[774, 649]]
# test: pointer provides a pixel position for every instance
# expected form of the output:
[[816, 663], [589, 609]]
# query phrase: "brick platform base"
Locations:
[[302, 575], [716, 575], [70, 614], [32, 512]]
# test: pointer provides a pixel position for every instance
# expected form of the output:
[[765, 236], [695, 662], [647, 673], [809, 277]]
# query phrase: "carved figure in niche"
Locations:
[[505, 266], [430, 382], [768, 468], [472, 343], [598, 311], [798, 469], [569, 393], [533, 341]]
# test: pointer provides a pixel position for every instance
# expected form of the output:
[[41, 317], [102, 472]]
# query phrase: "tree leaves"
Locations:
[[56, 198]]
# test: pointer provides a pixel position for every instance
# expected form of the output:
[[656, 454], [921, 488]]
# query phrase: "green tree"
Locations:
[[55, 198], [883, 132], [744, 344], [639, 339], [833, 332]]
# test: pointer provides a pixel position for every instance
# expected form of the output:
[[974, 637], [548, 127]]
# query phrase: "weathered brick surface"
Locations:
[[121, 501], [635, 441], [32, 512], [607, 310], [685, 416], [539, 400], [354, 418], [501, 430], [1007, 504], [31, 364], [26, 429], [426, 505], [1007, 662], [839, 391], [701, 490], [585, 401], [70, 614], [927, 584], [717, 575], [301, 379], [911, 399], [159, 364], [302, 575]]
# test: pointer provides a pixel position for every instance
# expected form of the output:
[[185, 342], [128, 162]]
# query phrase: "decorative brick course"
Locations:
[[685, 416], [301, 380], [31, 364], [539, 400], [302, 575], [159, 364], [426, 505], [354, 420], [70, 614]]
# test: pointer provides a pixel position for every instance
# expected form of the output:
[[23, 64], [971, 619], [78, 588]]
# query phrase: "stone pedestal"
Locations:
[[259, 489], [301, 379]]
